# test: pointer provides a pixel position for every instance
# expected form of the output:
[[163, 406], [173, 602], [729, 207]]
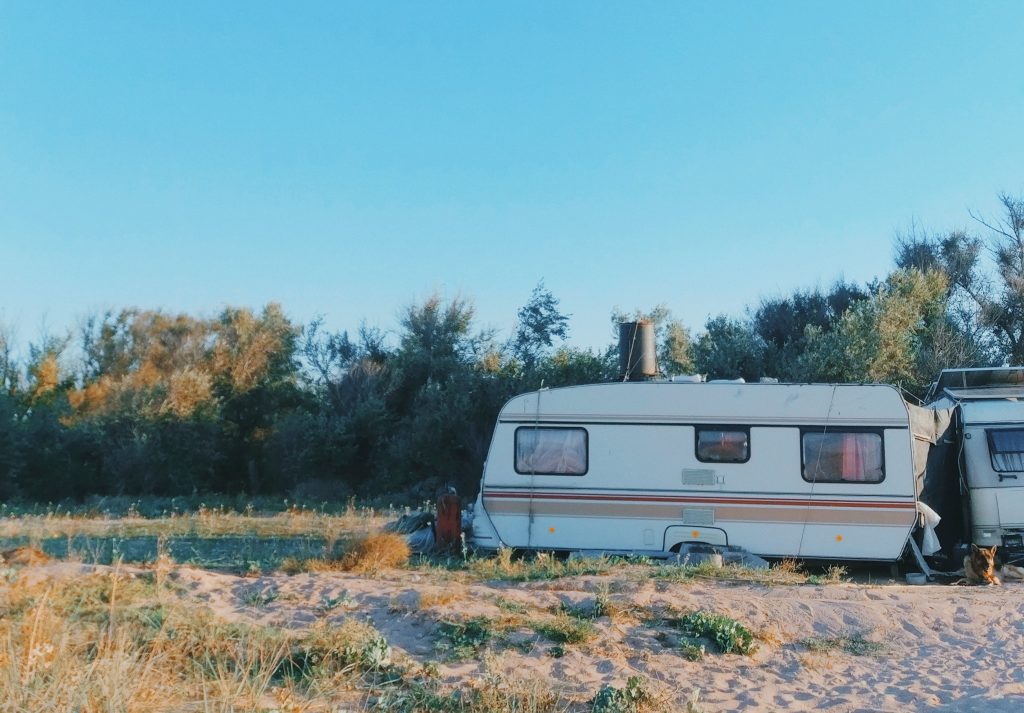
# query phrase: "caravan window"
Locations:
[[551, 451], [1007, 449], [842, 457], [720, 445]]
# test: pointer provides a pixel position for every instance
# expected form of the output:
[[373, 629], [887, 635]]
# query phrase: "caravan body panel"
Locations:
[[993, 470], [651, 479]]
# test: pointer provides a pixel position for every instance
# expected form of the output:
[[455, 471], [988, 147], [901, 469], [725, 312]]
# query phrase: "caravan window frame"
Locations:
[[730, 428], [586, 450], [992, 450], [840, 430]]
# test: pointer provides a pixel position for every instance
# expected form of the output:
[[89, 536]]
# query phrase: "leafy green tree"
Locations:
[[10, 376], [986, 298], [539, 325], [729, 349], [438, 396], [254, 372], [883, 338], [1002, 310], [571, 366], [781, 324], [12, 447]]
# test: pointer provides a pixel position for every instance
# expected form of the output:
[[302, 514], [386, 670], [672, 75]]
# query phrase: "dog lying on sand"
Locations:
[[980, 565]]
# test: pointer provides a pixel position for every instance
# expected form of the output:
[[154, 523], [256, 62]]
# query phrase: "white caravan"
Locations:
[[830, 471], [984, 443]]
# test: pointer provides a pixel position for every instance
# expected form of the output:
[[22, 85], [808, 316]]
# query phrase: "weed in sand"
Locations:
[[834, 574], [343, 601], [693, 702], [691, 650], [492, 694], [632, 698], [439, 598], [260, 598], [329, 651], [512, 607], [297, 565], [467, 638], [538, 566], [366, 555], [856, 644], [601, 606], [727, 634], [565, 629]]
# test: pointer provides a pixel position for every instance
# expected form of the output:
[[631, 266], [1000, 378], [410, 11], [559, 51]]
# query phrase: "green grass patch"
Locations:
[[856, 644], [467, 638], [565, 629]]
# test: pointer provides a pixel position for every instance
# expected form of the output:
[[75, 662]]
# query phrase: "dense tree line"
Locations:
[[144, 402]]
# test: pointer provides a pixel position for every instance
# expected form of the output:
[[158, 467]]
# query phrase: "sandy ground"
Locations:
[[941, 647]]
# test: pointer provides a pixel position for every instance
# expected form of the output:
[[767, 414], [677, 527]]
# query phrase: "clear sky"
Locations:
[[348, 158]]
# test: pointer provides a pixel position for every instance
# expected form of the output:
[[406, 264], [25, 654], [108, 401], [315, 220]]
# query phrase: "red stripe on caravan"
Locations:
[[803, 501]]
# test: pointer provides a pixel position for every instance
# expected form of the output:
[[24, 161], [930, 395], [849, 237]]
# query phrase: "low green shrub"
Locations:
[[565, 629], [728, 635], [466, 638], [629, 699]]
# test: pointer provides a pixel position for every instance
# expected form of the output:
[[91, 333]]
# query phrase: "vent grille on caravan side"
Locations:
[[638, 354], [705, 517], [699, 476]]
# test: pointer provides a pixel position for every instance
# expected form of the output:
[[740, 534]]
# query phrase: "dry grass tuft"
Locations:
[[440, 597], [376, 552], [770, 635], [296, 565], [24, 556], [113, 641]]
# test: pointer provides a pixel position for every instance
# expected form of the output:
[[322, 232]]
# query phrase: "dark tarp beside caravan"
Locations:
[[935, 469]]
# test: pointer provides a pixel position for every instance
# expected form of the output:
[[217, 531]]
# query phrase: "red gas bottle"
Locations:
[[448, 526]]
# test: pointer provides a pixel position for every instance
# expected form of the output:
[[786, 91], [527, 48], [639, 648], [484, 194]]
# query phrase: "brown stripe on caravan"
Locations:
[[820, 500], [792, 512]]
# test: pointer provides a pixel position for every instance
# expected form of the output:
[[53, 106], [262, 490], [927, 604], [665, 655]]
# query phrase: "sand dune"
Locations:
[[837, 647]]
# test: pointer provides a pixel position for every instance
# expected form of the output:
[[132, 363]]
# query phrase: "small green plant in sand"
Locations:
[[466, 638], [493, 693], [565, 629], [691, 650], [856, 644], [260, 598], [343, 600], [727, 634], [631, 698], [512, 607]]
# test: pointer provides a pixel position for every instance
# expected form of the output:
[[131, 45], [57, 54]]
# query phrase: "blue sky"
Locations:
[[346, 159]]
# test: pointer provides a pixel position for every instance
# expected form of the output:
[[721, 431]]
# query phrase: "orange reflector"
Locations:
[[839, 538], [696, 533], [551, 530]]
